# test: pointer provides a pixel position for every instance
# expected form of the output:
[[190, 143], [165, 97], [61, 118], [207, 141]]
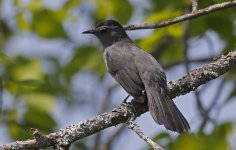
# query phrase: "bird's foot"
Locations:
[[140, 100], [125, 100]]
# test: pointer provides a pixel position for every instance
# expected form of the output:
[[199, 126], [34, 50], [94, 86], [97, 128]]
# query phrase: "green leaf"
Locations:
[[223, 130], [5, 30], [12, 114], [16, 2], [28, 71], [22, 75], [3, 58], [121, 10], [46, 101], [163, 135], [22, 23], [217, 140], [160, 5], [204, 4], [188, 142], [89, 58], [33, 118], [39, 119], [173, 53], [35, 5], [49, 24], [30, 82], [175, 32], [71, 4], [162, 15], [19, 132], [16, 130]]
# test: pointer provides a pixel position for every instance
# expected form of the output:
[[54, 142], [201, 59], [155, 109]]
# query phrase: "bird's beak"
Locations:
[[92, 31]]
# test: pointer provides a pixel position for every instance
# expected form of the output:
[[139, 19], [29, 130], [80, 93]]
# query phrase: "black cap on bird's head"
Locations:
[[103, 26], [108, 32], [109, 23]]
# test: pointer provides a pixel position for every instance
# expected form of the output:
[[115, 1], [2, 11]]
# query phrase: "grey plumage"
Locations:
[[139, 74]]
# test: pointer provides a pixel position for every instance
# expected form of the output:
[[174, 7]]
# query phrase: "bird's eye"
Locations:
[[104, 30]]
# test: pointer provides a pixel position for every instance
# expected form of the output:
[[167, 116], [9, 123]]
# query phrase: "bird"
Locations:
[[139, 73]]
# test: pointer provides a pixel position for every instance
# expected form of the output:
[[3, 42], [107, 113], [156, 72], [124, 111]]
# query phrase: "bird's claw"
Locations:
[[125, 100]]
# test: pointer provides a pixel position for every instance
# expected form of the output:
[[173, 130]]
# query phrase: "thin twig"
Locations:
[[134, 126], [194, 5], [182, 18]]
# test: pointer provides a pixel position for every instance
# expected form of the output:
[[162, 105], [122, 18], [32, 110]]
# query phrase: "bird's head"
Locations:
[[108, 32]]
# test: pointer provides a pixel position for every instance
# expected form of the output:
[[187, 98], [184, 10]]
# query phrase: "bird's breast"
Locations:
[[105, 56]]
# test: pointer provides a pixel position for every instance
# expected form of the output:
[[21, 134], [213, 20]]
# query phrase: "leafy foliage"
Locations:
[[50, 26], [217, 140]]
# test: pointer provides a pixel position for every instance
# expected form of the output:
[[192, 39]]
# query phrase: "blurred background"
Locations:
[[54, 76]]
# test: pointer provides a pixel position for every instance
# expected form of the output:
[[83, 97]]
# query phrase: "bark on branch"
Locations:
[[194, 14], [127, 111]]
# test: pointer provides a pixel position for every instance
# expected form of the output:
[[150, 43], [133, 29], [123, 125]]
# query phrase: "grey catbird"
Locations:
[[139, 74]]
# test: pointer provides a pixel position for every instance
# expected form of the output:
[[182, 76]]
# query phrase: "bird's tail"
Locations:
[[164, 111]]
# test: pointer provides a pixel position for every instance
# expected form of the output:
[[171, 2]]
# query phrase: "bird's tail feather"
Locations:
[[164, 111]]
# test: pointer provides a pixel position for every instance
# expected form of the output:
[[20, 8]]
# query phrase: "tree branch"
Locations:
[[128, 111], [134, 126], [192, 80], [194, 14]]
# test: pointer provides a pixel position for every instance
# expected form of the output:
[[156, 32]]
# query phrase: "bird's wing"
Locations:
[[154, 81], [121, 66], [161, 107]]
